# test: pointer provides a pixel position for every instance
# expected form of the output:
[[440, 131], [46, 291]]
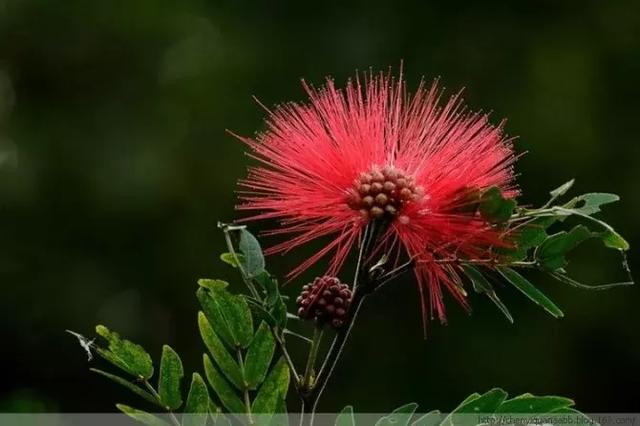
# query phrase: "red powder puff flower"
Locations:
[[372, 152]]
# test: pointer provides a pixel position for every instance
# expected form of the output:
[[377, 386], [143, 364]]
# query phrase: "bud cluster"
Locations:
[[325, 300], [382, 192]]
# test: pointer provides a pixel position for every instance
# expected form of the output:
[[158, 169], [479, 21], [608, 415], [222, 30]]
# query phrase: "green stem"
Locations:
[[155, 394], [334, 355], [247, 400], [308, 379], [285, 353], [362, 285]]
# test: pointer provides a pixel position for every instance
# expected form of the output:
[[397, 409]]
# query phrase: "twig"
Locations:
[[285, 354], [247, 400], [155, 394], [307, 380]]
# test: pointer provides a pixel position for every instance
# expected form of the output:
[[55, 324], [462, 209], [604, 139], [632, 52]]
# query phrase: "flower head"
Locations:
[[372, 153], [325, 300]]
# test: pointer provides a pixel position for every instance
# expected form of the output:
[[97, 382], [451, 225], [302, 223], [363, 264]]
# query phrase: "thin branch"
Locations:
[[334, 354], [155, 394], [247, 400], [285, 354], [568, 280], [307, 380]]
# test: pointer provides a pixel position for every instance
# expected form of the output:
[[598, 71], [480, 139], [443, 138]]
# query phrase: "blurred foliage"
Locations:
[[115, 168]]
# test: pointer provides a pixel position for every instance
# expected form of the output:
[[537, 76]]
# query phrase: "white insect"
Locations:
[[84, 342]]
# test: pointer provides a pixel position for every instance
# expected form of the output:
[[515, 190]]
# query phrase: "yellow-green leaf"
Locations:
[[171, 373], [141, 416], [124, 354], [196, 409], [220, 354]]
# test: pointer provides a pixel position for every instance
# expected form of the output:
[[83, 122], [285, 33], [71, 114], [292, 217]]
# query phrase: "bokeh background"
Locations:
[[115, 167]]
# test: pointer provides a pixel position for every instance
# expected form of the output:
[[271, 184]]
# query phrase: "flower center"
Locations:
[[382, 192]]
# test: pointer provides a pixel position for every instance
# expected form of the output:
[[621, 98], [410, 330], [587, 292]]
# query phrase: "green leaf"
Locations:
[[223, 390], [612, 239], [124, 354], [401, 416], [222, 357], [270, 286], [280, 313], [281, 418], [253, 258], [486, 403], [222, 420], [259, 313], [481, 285], [212, 310], [196, 409], [494, 208], [259, 356], [432, 418], [229, 315], [590, 203], [551, 253], [448, 420], [127, 384], [494, 402], [141, 416], [521, 283], [527, 403], [562, 189], [212, 284], [230, 259], [467, 400], [346, 418], [171, 373], [238, 315], [527, 237], [273, 389]]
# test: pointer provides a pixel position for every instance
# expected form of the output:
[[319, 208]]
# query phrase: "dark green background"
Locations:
[[116, 168]]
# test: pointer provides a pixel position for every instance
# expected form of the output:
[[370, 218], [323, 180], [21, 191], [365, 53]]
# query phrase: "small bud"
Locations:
[[376, 187], [377, 212], [377, 176], [364, 189], [365, 177], [381, 199], [406, 194]]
